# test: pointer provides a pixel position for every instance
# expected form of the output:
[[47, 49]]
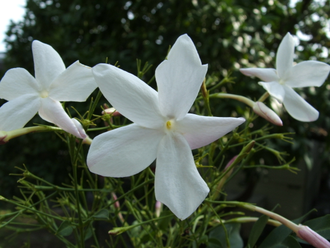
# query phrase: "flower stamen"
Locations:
[[43, 94]]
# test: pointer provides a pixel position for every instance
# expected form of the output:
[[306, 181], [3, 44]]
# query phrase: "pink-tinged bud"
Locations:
[[111, 111], [3, 136], [230, 162], [262, 110], [116, 204], [225, 177], [312, 237], [158, 208]]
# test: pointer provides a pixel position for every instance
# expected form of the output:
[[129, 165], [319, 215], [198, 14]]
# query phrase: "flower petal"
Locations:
[[17, 112], [274, 89], [124, 151], [16, 83], [179, 78], [297, 107], [48, 64], [178, 183], [129, 95], [75, 84], [202, 130], [308, 73], [52, 111], [266, 75], [284, 56]]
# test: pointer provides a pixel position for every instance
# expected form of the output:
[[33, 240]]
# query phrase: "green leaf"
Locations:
[[65, 229], [219, 234], [163, 223], [88, 232], [257, 229], [289, 242], [213, 242], [276, 237], [320, 225], [102, 214]]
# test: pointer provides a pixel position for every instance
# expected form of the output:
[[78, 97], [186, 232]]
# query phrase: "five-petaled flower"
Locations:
[[27, 95], [280, 82], [162, 128]]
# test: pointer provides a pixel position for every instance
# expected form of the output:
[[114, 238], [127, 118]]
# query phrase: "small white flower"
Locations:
[[27, 95], [162, 128], [280, 82]]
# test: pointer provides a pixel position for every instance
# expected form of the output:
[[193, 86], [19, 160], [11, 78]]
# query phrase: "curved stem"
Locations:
[[242, 99]]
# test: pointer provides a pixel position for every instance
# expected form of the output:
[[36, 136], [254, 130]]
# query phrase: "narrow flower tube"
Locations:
[[312, 237], [263, 111], [302, 231], [158, 208]]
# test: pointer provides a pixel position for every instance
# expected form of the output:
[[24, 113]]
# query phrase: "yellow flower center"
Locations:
[[169, 124], [44, 94], [282, 82]]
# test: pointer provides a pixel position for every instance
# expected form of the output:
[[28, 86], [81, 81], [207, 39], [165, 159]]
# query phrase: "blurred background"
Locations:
[[229, 35]]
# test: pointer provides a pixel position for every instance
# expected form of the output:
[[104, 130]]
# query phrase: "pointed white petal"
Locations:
[[284, 56], [202, 130], [178, 183], [48, 64], [17, 112], [17, 82], [297, 107], [179, 78], [75, 84], [124, 151], [80, 128], [266, 75], [52, 111], [274, 89], [129, 95], [308, 73]]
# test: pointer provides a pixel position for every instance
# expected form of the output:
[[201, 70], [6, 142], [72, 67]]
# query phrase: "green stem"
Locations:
[[263, 97], [242, 99], [19, 132]]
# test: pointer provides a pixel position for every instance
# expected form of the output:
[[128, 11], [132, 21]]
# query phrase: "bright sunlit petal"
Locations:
[[16, 113], [76, 83], [274, 89], [178, 183], [52, 111], [266, 75], [129, 95], [128, 151], [48, 64], [308, 73], [298, 108], [284, 56], [17, 82], [202, 130], [179, 78]]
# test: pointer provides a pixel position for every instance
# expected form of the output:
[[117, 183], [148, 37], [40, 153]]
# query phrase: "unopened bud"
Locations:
[[312, 237], [158, 208], [3, 136], [110, 111], [80, 129], [262, 110], [116, 204]]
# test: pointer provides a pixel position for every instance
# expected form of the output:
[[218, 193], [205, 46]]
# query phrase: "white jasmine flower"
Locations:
[[162, 128], [280, 82], [27, 95]]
